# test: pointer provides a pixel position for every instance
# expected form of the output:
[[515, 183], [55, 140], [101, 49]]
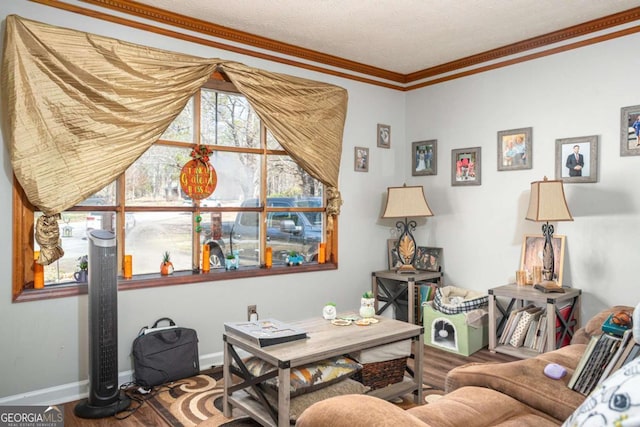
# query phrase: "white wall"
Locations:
[[45, 342], [573, 94], [480, 228]]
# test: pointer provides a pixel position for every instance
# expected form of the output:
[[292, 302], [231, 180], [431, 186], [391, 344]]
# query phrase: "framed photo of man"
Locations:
[[577, 159], [424, 158]]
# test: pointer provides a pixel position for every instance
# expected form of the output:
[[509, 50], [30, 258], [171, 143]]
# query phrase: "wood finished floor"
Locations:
[[436, 365]]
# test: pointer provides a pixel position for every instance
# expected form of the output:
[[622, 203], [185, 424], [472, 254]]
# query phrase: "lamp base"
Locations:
[[406, 269]]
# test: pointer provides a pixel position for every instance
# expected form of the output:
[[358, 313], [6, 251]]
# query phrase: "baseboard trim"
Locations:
[[71, 392]]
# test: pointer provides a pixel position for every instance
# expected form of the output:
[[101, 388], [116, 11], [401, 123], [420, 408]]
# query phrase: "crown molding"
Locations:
[[248, 39], [364, 73], [579, 30]]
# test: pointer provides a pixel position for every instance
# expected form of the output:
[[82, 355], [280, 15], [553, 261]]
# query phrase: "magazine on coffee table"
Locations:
[[265, 332]]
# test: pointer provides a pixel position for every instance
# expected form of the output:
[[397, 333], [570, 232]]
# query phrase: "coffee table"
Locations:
[[325, 340]]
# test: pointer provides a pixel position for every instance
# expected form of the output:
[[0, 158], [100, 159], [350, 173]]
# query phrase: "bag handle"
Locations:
[[171, 322]]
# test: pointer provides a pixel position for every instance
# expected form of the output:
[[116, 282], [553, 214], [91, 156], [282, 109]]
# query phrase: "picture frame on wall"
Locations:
[[577, 159], [532, 252], [424, 158], [630, 131], [466, 166], [361, 159], [384, 136], [515, 149], [429, 259]]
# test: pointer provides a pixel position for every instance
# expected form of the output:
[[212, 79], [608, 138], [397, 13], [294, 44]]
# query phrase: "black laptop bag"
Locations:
[[165, 354]]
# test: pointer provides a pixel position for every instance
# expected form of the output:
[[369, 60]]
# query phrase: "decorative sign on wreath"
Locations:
[[198, 178]]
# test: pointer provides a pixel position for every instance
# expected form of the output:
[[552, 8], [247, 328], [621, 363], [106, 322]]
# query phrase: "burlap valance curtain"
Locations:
[[79, 109]]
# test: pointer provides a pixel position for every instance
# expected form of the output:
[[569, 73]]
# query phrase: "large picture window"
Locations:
[[263, 199]]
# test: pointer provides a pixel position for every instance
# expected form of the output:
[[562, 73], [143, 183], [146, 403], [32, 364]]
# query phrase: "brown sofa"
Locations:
[[478, 395]]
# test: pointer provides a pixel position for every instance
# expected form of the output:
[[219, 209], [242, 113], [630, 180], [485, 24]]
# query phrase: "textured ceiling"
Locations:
[[403, 36]]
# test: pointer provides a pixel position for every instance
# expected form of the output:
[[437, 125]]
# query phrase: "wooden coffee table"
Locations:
[[325, 340]]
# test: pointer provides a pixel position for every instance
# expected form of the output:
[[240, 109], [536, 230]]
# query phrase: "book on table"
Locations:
[[265, 332]]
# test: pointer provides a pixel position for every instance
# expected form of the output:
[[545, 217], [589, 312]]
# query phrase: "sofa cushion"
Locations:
[[465, 407], [524, 380], [357, 411], [480, 407]]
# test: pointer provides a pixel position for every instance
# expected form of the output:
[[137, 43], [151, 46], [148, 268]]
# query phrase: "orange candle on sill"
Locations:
[[38, 272], [206, 255], [128, 266], [322, 251], [268, 258]]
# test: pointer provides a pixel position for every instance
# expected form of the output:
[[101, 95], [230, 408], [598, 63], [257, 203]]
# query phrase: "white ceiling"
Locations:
[[402, 36]]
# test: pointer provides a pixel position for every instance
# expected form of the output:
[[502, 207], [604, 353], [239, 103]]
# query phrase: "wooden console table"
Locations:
[[325, 340], [389, 287]]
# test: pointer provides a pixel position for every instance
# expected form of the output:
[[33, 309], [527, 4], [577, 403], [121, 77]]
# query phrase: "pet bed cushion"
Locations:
[[309, 377], [453, 300]]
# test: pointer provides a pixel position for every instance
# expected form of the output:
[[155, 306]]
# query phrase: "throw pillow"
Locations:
[[309, 377], [615, 402]]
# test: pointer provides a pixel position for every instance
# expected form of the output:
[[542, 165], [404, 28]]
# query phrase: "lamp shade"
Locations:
[[547, 202], [404, 202]]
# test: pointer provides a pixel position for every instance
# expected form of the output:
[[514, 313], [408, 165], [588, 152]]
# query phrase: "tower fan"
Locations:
[[104, 398]]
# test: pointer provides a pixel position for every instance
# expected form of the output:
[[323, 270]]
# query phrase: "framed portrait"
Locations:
[[394, 260], [630, 131], [577, 159], [532, 247], [515, 149], [424, 158], [361, 159], [429, 259], [466, 166], [384, 136]]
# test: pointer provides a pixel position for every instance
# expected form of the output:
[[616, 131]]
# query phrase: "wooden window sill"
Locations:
[[178, 278]]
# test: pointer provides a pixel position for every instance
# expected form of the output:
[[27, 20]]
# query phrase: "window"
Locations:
[[146, 208]]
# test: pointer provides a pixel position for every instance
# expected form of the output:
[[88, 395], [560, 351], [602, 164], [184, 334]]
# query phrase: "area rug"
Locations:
[[197, 401]]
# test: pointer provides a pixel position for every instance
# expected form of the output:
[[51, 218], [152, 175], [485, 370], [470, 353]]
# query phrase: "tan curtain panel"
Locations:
[[79, 109]]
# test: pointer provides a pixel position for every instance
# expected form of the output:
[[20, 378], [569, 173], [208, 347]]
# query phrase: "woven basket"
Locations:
[[381, 374]]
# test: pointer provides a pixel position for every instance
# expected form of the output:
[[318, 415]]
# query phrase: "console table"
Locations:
[[518, 296], [325, 340], [390, 287]]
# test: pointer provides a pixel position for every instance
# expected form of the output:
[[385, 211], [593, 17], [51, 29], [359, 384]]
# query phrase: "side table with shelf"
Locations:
[[518, 296], [393, 289]]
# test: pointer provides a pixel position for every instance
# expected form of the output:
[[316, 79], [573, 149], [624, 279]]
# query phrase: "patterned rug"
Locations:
[[197, 401]]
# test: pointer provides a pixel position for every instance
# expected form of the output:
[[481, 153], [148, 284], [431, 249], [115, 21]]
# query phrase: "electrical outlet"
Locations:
[[251, 309]]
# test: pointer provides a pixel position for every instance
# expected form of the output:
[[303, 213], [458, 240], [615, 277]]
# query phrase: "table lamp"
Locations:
[[406, 202], [547, 203]]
